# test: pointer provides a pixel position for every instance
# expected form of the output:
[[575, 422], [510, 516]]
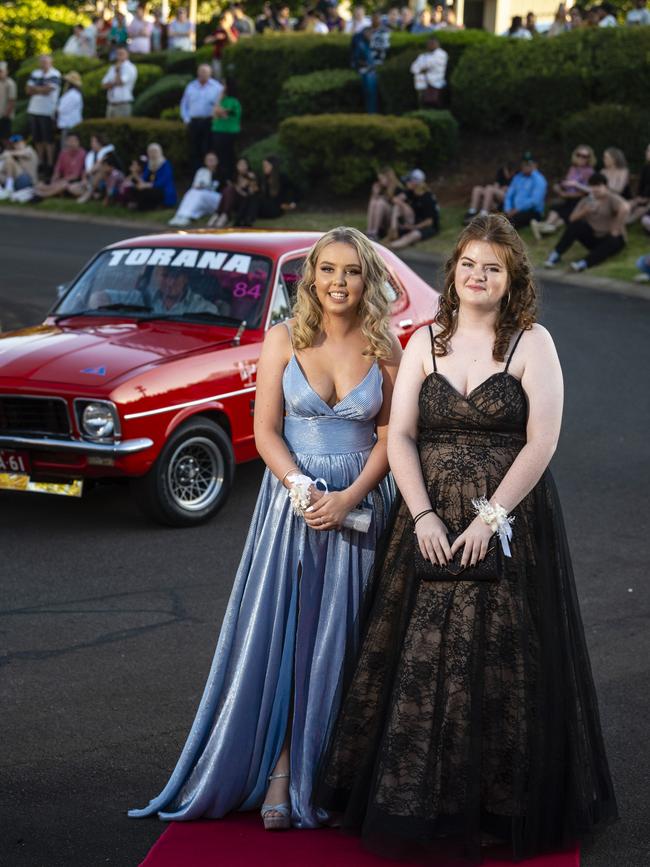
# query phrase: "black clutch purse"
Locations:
[[488, 569]]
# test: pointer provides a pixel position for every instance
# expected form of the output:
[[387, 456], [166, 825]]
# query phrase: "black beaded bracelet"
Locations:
[[421, 515]]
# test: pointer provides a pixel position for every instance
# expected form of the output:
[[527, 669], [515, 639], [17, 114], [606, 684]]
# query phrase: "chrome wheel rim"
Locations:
[[195, 474]]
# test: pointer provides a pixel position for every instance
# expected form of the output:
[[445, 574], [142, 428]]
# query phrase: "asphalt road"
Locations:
[[109, 623]]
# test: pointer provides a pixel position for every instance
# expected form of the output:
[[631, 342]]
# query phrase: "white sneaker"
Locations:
[[578, 266], [4, 194], [218, 221], [642, 278], [180, 222], [552, 260]]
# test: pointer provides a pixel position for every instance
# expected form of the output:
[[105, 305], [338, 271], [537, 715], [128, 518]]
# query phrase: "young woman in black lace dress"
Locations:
[[471, 716]]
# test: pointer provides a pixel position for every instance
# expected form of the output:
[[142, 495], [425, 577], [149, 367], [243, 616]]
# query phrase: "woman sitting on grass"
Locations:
[[640, 204], [617, 172], [202, 199], [570, 191], [415, 215], [380, 205], [489, 198], [156, 188], [239, 200]]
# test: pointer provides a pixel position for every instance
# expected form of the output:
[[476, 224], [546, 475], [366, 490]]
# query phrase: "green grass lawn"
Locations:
[[621, 267]]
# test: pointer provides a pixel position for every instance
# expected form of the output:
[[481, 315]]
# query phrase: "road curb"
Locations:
[[33, 211], [579, 281]]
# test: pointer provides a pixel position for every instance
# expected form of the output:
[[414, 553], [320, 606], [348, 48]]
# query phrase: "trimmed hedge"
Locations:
[[31, 27], [132, 135], [542, 81], [187, 61], [261, 66], [395, 80], [321, 92], [95, 96], [343, 149], [609, 125], [164, 93], [443, 135]]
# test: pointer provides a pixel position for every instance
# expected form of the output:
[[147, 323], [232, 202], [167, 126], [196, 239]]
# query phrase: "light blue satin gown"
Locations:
[[290, 623]]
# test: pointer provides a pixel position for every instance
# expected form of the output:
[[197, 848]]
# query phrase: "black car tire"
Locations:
[[191, 478]]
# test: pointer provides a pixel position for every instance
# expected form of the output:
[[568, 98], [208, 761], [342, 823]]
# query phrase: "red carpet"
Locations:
[[240, 841]]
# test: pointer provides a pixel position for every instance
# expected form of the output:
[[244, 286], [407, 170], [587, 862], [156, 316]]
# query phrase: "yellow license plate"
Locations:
[[20, 482]]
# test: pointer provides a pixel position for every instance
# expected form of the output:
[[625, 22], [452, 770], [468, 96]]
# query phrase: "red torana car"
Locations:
[[145, 369]]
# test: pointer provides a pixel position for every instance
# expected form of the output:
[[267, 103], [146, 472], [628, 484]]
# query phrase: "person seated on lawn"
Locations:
[[524, 200], [570, 191], [68, 169], [517, 29], [238, 201], [643, 264], [202, 199], [276, 195], [85, 189], [415, 215], [126, 190], [155, 189], [598, 222], [616, 171], [640, 204], [489, 197], [18, 170], [380, 205], [111, 178]]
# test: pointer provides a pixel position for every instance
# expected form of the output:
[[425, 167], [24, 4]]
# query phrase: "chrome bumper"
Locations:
[[82, 447]]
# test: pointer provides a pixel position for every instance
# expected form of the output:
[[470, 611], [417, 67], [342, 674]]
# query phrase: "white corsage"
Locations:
[[497, 519], [299, 493]]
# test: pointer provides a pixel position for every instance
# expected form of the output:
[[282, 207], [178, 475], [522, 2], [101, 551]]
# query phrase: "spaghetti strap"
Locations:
[[433, 349], [285, 322], [512, 351]]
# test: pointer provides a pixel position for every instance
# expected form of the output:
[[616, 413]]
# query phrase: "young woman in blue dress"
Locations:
[[324, 387]]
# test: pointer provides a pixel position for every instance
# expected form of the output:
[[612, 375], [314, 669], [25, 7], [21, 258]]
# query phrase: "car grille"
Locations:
[[34, 415]]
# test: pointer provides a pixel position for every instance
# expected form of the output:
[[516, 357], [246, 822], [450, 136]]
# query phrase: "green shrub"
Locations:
[[31, 27], [187, 61], [173, 113], [262, 65], [131, 135], [63, 62], [345, 150], [443, 135], [395, 80], [321, 92], [540, 82], [166, 92], [95, 96], [603, 126]]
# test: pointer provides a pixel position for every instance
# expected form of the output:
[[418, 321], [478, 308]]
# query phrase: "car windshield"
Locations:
[[187, 283]]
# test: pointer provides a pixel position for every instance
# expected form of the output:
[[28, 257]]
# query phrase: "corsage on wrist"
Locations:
[[299, 492], [497, 519]]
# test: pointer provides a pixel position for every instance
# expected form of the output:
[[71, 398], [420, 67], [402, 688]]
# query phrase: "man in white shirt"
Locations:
[[429, 71], [638, 15], [43, 89], [197, 107], [118, 83]]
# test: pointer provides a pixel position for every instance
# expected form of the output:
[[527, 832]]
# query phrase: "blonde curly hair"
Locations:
[[374, 309]]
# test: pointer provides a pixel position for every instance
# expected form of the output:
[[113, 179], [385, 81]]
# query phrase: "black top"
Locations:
[[425, 207], [644, 182]]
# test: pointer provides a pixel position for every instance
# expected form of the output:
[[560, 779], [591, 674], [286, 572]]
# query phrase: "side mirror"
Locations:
[[61, 289]]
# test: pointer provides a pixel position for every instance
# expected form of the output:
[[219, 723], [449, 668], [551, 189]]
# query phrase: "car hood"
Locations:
[[99, 353]]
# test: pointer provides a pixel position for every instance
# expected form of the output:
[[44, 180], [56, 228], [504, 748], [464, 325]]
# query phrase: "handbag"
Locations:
[[490, 568]]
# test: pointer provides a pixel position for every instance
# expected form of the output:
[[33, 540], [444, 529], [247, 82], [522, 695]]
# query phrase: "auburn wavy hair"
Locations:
[[518, 310], [374, 309]]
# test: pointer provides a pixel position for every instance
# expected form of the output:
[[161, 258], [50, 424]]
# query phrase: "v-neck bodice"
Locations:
[[312, 424]]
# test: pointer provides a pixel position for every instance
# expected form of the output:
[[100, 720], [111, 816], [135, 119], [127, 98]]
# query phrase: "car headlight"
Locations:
[[98, 420]]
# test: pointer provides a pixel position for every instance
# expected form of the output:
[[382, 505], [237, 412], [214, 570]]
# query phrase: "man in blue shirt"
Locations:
[[525, 197], [197, 107]]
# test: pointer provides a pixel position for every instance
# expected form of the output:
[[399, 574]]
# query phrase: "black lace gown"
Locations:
[[471, 711]]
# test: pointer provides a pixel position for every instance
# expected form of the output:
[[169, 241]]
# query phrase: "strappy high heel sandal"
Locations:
[[281, 822]]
